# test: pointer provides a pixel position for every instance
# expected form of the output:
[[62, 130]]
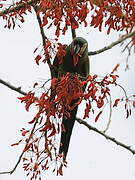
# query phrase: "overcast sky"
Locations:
[[90, 155]]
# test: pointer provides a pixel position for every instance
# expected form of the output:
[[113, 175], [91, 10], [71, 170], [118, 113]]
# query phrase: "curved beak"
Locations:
[[77, 50]]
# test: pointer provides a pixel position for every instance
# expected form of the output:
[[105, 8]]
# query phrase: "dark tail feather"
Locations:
[[65, 136]]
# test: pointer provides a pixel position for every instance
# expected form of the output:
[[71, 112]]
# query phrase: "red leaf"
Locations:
[[116, 102], [15, 144], [97, 117], [53, 131], [37, 59], [34, 119], [114, 78], [87, 110], [36, 166], [57, 32], [134, 104], [25, 132], [100, 102], [60, 170], [74, 24]]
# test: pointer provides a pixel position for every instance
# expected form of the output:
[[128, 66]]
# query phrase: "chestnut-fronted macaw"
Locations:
[[80, 66]]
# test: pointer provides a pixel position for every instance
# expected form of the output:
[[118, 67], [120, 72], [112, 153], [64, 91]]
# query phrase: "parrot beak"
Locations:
[[77, 50]]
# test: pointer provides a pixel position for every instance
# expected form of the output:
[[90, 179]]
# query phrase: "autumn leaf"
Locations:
[[16, 143], [97, 117], [53, 131], [37, 59], [100, 102], [25, 132], [116, 102], [60, 170]]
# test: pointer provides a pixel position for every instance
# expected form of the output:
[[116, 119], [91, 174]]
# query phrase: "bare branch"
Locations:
[[120, 40], [106, 136], [17, 89]]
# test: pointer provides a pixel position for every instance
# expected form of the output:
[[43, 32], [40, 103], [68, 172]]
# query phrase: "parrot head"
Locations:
[[79, 48]]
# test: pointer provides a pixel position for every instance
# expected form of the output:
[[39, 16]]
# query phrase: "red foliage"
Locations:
[[117, 15], [40, 143], [61, 52], [37, 59], [25, 132], [28, 99], [73, 12], [60, 170]]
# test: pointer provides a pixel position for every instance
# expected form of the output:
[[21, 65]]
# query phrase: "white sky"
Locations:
[[90, 155]]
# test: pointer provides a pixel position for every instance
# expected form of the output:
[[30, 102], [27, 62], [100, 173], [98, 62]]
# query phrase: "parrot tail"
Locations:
[[66, 134]]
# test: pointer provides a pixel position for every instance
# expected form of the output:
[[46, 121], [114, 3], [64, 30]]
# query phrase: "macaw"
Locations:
[[80, 66]]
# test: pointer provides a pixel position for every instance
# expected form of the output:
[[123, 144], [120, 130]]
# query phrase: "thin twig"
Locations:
[[121, 39], [44, 37], [17, 89], [110, 115], [20, 157], [73, 33], [105, 135]]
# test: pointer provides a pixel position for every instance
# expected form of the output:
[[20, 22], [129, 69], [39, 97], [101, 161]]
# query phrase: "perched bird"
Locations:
[[76, 61]]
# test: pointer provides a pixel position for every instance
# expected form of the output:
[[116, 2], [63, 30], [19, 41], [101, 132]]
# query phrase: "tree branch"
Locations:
[[73, 33], [17, 89], [79, 121], [120, 40], [44, 37], [96, 2], [17, 7], [105, 135]]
